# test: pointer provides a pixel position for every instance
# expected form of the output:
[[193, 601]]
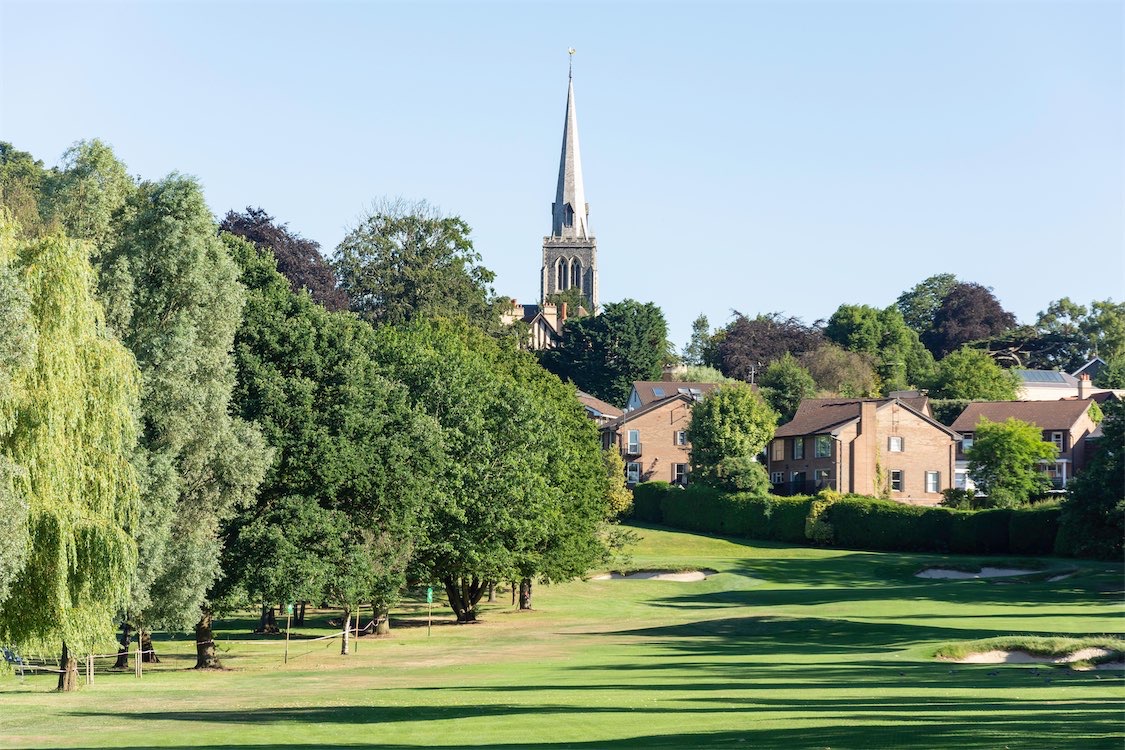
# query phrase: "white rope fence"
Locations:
[[22, 664]]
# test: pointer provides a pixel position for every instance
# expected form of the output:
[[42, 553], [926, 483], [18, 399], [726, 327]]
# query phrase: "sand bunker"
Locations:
[[1023, 657], [657, 575], [983, 573]]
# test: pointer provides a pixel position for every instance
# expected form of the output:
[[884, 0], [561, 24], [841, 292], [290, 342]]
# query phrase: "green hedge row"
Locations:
[[849, 521]]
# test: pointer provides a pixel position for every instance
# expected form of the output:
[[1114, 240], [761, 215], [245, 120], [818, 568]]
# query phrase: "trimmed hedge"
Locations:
[[851, 521]]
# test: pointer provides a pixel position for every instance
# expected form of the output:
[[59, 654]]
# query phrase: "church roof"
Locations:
[[570, 192]]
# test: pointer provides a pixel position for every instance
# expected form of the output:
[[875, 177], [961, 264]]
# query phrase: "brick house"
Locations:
[[600, 411], [1066, 423], [863, 446], [646, 392], [652, 439]]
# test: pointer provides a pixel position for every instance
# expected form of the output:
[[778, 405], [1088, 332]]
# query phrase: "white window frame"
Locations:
[[822, 475], [777, 477], [681, 437], [893, 441], [1058, 439], [633, 442], [966, 443], [679, 473], [632, 472], [901, 480], [825, 440], [933, 481], [798, 449]]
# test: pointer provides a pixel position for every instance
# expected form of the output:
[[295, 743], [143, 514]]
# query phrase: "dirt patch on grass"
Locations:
[[985, 572], [1023, 657], [657, 575]]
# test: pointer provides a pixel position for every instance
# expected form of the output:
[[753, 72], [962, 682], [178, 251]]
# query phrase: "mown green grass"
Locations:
[[785, 647]]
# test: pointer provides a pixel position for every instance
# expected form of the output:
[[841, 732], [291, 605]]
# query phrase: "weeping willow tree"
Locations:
[[17, 346], [70, 423]]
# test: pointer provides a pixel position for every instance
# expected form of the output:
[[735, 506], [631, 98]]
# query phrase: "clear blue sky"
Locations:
[[762, 157]]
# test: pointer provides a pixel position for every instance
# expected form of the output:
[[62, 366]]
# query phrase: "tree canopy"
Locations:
[[604, 354], [785, 383], [972, 374], [969, 312], [1004, 462], [298, 259], [1092, 522], [729, 428], [408, 260], [747, 345], [901, 360], [919, 304]]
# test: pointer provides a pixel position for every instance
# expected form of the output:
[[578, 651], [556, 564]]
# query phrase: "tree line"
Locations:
[[197, 416]]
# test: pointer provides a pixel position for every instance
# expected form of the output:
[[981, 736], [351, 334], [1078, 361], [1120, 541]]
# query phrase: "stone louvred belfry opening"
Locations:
[[570, 252]]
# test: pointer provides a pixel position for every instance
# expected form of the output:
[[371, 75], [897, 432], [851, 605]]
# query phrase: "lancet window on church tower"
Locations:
[[560, 275], [576, 273]]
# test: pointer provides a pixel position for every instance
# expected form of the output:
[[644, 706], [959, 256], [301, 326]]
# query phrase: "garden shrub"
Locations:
[[982, 531], [818, 529], [1032, 531], [647, 499], [871, 523]]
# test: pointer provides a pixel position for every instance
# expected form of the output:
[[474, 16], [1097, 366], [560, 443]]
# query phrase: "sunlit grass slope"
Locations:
[[784, 647]]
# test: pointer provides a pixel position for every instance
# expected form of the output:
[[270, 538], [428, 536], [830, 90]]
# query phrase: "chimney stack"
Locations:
[[1084, 386]]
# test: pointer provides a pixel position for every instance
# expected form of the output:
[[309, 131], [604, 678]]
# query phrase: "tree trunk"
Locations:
[[301, 614], [382, 620], [513, 593], [68, 678], [149, 653], [268, 621], [491, 592], [344, 644], [525, 593], [464, 594], [205, 655], [123, 647]]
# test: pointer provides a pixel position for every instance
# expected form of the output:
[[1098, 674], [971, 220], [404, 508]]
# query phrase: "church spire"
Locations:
[[569, 212]]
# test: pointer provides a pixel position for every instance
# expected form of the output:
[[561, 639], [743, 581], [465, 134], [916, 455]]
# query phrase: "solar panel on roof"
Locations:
[[1042, 376]]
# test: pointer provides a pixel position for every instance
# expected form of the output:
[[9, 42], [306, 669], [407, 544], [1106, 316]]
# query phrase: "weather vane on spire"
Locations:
[[570, 51]]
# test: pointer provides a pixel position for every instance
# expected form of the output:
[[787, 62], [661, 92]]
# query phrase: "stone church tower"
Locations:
[[570, 253]]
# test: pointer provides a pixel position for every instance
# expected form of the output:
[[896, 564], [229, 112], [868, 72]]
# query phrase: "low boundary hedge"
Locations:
[[851, 521]]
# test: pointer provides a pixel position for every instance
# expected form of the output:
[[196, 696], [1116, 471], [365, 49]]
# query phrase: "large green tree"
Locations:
[[919, 304], [407, 260], [335, 517], [841, 372], [900, 358], [973, 375], [1005, 461], [729, 428], [695, 351], [523, 492], [1092, 523], [176, 303], [88, 192], [21, 188], [785, 383], [604, 354], [69, 424]]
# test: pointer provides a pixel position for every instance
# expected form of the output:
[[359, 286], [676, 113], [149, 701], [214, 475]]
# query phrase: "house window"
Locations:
[[896, 480], [894, 444], [797, 476], [679, 473], [632, 472], [798, 448], [778, 450], [823, 446], [634, 446], [681, 437], [777, 477], [966, 443], [1057, 439], [823, 477], [961, 480], [933, 481]]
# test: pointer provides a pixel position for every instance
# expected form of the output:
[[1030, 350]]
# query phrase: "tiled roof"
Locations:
[[817, 416], [681, 398], [596, 404], [1046, 415], [655, 390]]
